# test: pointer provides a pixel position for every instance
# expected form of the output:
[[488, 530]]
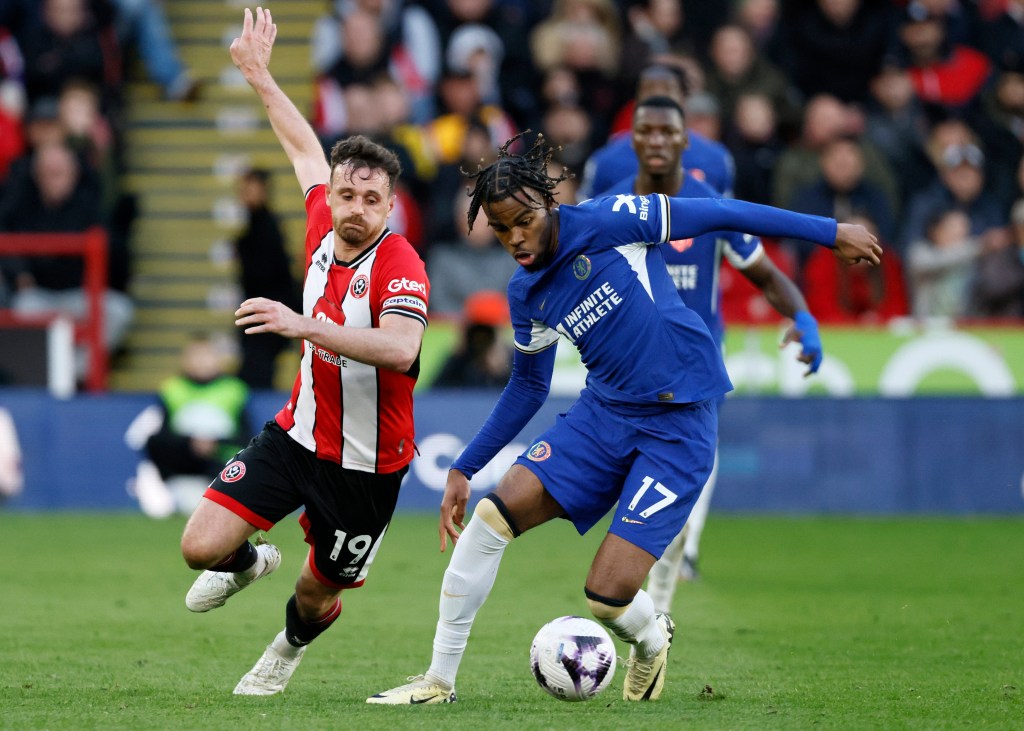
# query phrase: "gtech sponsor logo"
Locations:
[[397, 285]]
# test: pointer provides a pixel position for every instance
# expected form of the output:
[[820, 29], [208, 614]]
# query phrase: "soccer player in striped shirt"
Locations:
[[640, 440], [342, 443]]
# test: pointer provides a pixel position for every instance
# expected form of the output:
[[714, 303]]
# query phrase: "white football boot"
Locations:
[[272, 671], [645, 677], [418, 691], [212, 588]]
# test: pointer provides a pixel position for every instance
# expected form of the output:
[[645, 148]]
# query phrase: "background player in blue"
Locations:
[[659, 136], [706, 159], [640, 438]]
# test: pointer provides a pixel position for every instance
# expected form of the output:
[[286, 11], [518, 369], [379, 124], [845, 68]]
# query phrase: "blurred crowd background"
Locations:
[[905, 116]]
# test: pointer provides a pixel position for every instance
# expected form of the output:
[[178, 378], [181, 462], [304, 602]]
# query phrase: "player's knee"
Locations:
[[491, 511], [200, 554], [605, 609]]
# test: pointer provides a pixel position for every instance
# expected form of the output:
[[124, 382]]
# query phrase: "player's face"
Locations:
[[360, 202], [523, 230], [659, 139]]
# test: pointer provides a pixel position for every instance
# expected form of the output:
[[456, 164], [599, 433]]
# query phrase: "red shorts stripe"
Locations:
[[237, 508]]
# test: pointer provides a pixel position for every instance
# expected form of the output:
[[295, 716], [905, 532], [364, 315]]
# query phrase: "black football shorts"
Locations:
[[346, 511]]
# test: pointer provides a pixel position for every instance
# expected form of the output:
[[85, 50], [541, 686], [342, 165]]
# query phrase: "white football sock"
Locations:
[[467, 582], [638, 627]]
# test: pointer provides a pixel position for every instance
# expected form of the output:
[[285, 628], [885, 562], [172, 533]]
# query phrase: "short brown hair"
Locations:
[[361, 152]]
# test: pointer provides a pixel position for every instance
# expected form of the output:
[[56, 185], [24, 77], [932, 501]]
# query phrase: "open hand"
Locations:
[[251, 51]]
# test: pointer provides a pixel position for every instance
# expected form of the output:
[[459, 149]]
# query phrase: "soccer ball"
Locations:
[[572, 658]]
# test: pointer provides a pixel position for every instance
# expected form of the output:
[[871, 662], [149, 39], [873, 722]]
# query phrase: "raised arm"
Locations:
[[251, 54]]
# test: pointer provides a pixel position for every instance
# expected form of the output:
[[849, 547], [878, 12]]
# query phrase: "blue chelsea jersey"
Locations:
[[693, 263], [608, 292]]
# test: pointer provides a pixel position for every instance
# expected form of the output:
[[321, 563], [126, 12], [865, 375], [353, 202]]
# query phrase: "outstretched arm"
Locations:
[[783, 294], [251, 54], [689, 217]]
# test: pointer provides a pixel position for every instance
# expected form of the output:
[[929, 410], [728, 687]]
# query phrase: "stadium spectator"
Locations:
[[56, 195], [940, 266], [840, 294], [569, 129], [200, 421], [584, 36], [512, 22], [142, 26], [70, 42], [704, 115], [643, 419], [411, 36], [895, 124], [827, 119], [998, 288], [834, 46], [471, 263], [1001, 127], [264, 271], [1002, 32], [842, 190], [365, 56], [654, 27], [960, 184], [659, 138], [753, 139], [482, 359], [343, 442], [945, 75], [737, 69]]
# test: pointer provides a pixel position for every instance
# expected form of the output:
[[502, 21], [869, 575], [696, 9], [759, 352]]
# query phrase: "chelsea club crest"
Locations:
[[581, 267]]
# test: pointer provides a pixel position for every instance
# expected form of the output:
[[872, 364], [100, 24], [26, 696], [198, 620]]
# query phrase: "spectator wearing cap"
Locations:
[[483, 359], [960, 185]]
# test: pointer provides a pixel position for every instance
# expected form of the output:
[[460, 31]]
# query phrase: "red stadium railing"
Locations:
[[91, 245]]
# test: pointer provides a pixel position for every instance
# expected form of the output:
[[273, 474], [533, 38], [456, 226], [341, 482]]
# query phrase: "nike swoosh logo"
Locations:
[[544, 302], [453, 596], [415, 702]]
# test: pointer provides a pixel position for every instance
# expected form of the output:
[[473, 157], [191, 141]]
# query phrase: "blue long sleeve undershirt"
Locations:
[[525, 393], [689, 217]]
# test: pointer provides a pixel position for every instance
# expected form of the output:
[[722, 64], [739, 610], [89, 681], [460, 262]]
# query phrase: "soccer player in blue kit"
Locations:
[[659, 137], [708, 160], [640, 438]]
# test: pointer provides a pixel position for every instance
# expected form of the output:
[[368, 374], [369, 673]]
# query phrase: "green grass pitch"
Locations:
[[824, 623]]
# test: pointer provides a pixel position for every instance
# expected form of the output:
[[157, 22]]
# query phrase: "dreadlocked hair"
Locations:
[[511, 174]]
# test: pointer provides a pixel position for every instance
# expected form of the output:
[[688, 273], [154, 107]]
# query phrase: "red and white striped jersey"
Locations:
[[346, 411]]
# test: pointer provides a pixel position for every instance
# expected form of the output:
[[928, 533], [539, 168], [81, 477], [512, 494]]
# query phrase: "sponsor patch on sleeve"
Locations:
[[405, 302]]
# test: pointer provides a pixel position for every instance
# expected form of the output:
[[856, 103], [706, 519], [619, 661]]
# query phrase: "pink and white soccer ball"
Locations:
[[573, 658]]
